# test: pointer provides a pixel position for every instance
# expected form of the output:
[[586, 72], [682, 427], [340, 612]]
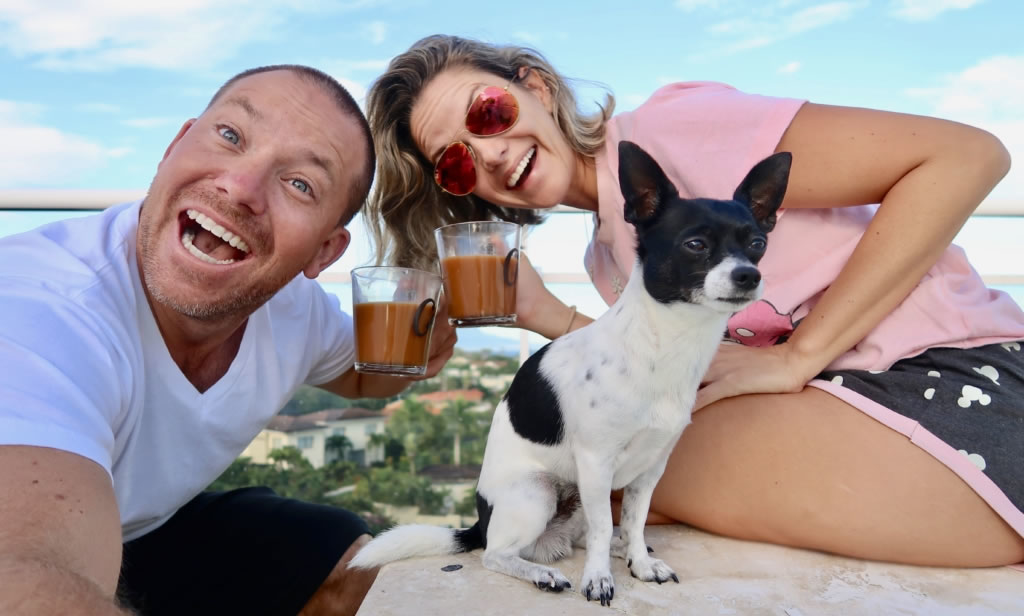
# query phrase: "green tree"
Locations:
[[288, 456], [385, 485], [467, 506], [421, 434], [337, 447], [459, 420]]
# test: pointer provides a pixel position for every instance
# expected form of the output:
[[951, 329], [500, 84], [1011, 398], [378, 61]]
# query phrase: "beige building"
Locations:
[[309, 433]]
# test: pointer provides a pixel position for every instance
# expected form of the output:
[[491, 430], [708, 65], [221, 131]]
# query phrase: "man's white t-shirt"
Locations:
[[84, 369]]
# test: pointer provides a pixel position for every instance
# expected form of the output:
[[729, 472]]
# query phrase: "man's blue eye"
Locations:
[[304, 187], [230, 135]]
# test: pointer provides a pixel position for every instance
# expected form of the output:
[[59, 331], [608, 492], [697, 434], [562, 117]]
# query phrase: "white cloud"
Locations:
[[923, 10], [163, 34], [692, 5], [98, 108], [147, 122], [32, 154], [376, 32], [790, 67], [529, 38], [987, 95], [772, 23]]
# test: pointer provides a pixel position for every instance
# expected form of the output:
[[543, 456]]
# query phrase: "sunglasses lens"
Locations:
[[455, 172], [493, 112]]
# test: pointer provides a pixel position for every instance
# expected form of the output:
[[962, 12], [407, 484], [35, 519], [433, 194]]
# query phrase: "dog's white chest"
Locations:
[[648, 446]]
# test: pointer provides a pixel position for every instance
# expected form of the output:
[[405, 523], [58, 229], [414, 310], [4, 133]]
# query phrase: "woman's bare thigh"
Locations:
[[808, 470]]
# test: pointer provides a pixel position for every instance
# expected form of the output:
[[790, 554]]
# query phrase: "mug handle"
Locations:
[[419, 315], [510, 279]]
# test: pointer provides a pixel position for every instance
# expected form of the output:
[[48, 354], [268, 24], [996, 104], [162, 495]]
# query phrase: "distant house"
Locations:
[[309, 433], [435, 401]]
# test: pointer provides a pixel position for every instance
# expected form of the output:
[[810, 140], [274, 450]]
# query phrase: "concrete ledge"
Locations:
[[718, 575]]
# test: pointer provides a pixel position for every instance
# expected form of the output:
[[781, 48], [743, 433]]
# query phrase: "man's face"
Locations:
[[247, 196]]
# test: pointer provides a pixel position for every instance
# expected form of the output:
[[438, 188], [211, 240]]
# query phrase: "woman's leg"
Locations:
[[808, 470]]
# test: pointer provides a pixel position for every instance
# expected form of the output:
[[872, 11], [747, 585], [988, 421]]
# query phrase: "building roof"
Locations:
[[435, 401], [310, 421]]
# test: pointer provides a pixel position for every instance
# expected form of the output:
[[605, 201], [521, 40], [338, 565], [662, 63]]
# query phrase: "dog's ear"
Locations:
[[764, 187], [644, 185]]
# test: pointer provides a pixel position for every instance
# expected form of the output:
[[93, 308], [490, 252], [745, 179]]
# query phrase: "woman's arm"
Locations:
[[928, 175], [537, 308]]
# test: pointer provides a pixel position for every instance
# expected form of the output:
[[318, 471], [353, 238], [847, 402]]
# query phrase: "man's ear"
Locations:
[[174, 142], [330, 251], [533, 80], [764, 188], [644, 185]]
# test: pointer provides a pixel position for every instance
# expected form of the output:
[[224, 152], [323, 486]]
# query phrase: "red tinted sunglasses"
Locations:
[[493, 112]]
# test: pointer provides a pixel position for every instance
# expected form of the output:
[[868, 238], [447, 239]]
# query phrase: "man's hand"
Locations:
[[353, 385]]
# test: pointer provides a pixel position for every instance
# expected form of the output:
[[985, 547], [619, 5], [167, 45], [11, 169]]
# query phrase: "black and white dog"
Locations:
[[602, 407]]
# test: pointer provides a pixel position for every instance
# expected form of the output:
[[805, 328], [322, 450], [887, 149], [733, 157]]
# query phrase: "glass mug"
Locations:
[[480, 265], [393, 309]]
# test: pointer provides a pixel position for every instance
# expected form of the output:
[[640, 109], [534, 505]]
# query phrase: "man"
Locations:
[[141, 349]]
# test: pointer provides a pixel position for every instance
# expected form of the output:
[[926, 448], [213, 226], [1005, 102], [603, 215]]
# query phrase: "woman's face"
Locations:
[[529, 166]]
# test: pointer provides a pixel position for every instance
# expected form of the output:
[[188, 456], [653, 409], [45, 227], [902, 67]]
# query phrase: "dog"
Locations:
[[601, 408]]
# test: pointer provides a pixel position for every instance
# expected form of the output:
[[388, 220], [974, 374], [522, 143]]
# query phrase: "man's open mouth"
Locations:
[[210, 242]]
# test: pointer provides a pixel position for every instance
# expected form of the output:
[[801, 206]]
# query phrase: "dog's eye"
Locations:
[[696, 245], [758, 244]]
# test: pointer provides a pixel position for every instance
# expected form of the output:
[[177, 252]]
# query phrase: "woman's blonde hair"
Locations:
[[406, 204]]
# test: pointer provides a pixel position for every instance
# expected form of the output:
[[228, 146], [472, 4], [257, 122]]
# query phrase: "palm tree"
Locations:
[[459, 420], [378, 440], [411, 425], [337, 447]]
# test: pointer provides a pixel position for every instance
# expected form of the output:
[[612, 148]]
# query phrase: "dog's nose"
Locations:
[[746, 278]]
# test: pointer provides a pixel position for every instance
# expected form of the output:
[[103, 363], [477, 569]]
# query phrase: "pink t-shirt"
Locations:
[[707, 136]]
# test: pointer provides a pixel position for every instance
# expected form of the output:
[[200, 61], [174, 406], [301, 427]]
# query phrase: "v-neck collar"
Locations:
[[160, 357]]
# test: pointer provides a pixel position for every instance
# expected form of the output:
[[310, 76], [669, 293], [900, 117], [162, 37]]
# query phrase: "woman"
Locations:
[[877, 378]]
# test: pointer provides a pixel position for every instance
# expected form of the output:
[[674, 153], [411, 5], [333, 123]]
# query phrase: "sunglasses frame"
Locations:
[[469, 149]]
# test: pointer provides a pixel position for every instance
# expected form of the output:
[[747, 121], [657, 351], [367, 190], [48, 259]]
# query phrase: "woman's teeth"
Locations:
[[514, 178]]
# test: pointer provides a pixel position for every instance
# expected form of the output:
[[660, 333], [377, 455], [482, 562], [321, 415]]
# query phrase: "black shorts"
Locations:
[[246, 551], [963, 406]]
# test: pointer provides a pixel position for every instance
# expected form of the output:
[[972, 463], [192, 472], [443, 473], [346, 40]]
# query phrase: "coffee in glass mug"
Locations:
[[393, 310], [480, 265]]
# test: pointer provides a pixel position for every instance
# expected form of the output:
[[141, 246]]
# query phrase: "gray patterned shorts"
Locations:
[[964, 406]]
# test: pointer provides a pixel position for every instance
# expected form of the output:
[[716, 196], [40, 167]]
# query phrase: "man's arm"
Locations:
[[60, 534]]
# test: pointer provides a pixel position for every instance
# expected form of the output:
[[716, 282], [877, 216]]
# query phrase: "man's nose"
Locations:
[[245, 183]]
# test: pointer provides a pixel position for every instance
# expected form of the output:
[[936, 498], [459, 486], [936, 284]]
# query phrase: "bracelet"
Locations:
[[572, 317]]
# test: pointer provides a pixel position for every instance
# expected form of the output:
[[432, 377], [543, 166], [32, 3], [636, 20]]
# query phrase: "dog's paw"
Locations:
[[650, 569], [598, 586], [552, 580]]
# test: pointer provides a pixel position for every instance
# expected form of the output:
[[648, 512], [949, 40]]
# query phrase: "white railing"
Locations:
[[98, 199], [74, 199]]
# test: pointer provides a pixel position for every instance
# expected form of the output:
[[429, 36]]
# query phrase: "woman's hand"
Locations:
[[442, 340], [737, 370], [537, 309]]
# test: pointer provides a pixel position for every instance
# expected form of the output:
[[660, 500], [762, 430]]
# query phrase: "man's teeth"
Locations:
[[207, 223], [186, 241], [514, 178]]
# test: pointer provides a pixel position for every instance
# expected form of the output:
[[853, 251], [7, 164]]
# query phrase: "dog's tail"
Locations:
[[411, 540]]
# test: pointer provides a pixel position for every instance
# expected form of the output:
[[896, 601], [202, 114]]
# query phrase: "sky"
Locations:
[[91, 92]]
